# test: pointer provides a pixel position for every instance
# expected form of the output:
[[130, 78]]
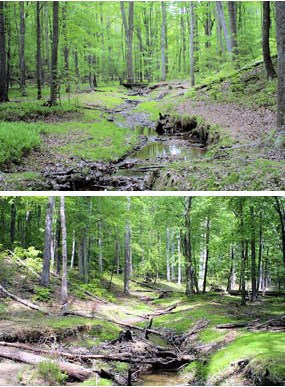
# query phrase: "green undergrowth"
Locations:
[[96, 381], [35, 111], [226, 170], [248, 347], [51, 373], [16, 140], [248, 86], [267, 368]]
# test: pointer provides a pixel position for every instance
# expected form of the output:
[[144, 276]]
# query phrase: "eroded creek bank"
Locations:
[[168, 140]]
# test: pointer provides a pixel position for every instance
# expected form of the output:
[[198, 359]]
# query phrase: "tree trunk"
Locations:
[[100, 258], [188, 247], [129, 30], [65, 49], [207, 254], [243, 248], [64, 293], [3, 68], [233, 27], [39, 59], [13, 222], [279, 206], [179, 260], [54, 55], [45, 277], [22, 50], [163, 10], [266, 23], [192, 43], [253, 258], [280, 32], [221, 15], [167, 255], [127, 248], [75, 371], [73, 250]]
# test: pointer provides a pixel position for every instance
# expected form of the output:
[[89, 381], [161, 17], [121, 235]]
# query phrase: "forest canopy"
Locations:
[[231, 243]]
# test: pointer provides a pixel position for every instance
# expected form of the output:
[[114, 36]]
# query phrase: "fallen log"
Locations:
[[74, 371], [28, 304], [232, 325]]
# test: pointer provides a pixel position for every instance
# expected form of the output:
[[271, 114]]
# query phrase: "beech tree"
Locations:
[[54, 57], [280, 32], [3, 68]]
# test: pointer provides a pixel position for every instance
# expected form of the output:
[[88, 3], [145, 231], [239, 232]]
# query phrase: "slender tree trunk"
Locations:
[[13, 223], [231, 281], [266, 23], [127, 248], [100, 245], [207, 254], [243, 248], [65, 48], [73, 250], [260, 251], [188, 247], [54, 56], [3, 68], [192, 43], [253, 257], [39, 58], [64, 292], [167, 255], [179, 260], [280, 32], [22, 50], [118, 254], [163, 10], [45, 276]]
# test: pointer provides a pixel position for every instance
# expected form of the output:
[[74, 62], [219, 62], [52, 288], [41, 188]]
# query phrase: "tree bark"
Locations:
[[254, 292], [129, 29], [192, 43], [54, 56], [233, 27], [127, 248], [280, 32], [188, 248], [221, 15], [75, 371], [22, 50], [65, 49], [39, 58], [266, 23], [45, 276], [207, 254], [3, 65], [163, 11], [64, 292]]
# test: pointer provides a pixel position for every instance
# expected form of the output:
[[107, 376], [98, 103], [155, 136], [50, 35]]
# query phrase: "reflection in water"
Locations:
[[162, 379], [161, 149]]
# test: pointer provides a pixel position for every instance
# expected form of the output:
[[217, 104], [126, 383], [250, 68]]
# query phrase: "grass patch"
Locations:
[[248, 346], [15, 140], [51, 373], [97, 381]]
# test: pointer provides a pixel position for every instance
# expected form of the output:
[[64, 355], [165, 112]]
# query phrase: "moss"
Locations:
[[267, 369], [248, 346]]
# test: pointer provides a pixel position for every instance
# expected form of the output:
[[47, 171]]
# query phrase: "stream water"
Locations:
[[156, 149], [162, 378]]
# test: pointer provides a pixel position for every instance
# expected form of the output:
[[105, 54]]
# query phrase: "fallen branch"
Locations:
[[28, 304]]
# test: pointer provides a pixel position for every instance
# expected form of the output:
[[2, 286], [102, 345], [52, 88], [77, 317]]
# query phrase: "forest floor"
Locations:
[[106, 140], [185, 342]]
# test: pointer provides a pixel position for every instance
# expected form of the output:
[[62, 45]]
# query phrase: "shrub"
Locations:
[[41, 294]]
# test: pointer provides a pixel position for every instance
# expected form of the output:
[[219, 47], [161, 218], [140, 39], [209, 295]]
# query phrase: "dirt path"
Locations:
[[243, 123]]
